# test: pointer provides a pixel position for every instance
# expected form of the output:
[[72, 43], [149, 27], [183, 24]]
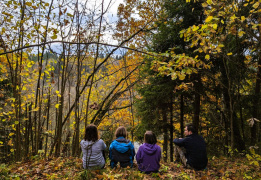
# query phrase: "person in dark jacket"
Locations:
[[121, 150], [149, 154], [192, 149]]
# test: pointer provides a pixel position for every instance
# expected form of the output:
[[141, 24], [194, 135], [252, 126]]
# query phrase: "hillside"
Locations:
[[71, 168]]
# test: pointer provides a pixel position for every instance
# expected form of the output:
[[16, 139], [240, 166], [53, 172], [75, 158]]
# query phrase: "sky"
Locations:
[[110, 17]]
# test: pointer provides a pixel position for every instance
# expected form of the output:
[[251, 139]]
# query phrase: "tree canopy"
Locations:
[[160, 65]]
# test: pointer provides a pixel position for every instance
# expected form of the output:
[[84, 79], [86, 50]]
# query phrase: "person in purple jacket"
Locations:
[[149, 154]]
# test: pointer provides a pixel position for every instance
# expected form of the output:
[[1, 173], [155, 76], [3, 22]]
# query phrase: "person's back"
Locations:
[[195, 150], [121, 150], [92, 149], [92, 153], [195, 146], [149, 154]]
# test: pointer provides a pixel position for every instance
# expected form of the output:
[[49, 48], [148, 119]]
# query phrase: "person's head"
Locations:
[[150, 138], [189, 129], [91, 133], [121, 132]]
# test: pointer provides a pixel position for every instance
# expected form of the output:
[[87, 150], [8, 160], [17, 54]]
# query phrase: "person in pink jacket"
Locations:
[[149, 154]]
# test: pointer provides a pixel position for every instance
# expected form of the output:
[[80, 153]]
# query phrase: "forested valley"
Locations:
[[144, 64]]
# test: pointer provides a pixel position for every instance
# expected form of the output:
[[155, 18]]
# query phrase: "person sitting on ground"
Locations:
[[121, 150], [191, 149], [149, 154], [92, 149]]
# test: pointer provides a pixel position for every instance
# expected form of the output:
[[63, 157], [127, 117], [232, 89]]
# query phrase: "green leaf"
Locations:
[[68, 14], [54, 36]]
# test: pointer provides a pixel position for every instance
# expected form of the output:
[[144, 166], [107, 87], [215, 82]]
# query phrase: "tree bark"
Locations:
[[197, 102], [165, 134], [254, 137], [171, 129]]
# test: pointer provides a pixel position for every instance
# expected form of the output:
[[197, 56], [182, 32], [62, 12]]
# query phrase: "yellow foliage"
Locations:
[[229, 54], [208, 19]]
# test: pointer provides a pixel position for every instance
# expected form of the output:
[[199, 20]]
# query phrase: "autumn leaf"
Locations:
[[204, 4], [229, 54], [28, 3], [209, 18], [209, 2], [215, 26], [195, 28], [241, 33], [69, 14], [35, 109], [182, 76], [256, 5], [57, 106], [252, 121], [54, 36]]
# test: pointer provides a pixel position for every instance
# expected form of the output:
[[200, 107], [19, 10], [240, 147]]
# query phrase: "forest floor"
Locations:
[[247, 167]]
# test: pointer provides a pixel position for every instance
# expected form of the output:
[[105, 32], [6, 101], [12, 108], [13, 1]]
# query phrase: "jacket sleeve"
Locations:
[[180, 142], [132, 151]]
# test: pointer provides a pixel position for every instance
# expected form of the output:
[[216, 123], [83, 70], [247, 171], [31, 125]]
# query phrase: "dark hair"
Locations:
[[150, 138], [91, 133], [121, 131], [190, 127]]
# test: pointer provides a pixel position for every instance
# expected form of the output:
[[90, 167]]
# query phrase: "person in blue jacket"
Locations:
[[191, 149], [121, 150]]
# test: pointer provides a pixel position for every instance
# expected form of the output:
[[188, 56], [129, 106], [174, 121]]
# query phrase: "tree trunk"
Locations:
[[181, 115], [171, 131], [58, 137], [197, 102], [47, 118], [165, 134], [256, 105], [254, 137], [239, 143]]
